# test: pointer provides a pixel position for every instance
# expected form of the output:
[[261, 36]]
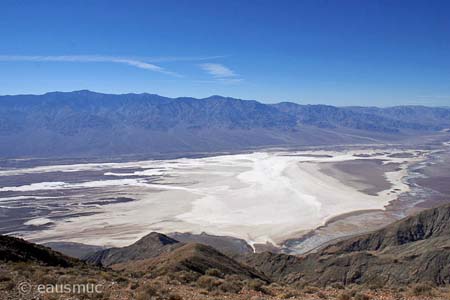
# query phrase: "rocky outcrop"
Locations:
[[191, 257], [415, 249], [226, 244]]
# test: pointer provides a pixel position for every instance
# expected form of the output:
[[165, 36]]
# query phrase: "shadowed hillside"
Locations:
[[17, 250], [151, 245], [415, 249], [196, 258]]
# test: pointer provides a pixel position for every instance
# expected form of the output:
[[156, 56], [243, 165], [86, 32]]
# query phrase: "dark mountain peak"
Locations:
[[155, 238], [215, 97], [220, 97], [85, 92], [151, 245], [286, 104], [223, 99]]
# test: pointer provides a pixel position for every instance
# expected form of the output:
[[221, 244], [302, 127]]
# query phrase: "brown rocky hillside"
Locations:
[[413, 250]]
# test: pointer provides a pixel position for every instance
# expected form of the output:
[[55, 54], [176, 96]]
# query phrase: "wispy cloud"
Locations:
[[181, 58], [90, 58], [221, 73], [218, 70], [434, 96]]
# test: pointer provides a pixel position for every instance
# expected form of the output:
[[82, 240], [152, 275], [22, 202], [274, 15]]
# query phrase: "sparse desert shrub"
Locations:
[[175, 297], [288, 295], [48, 279], [106, 276], [4, 277], [92, 280], [52, 297], [94, 296], [377, 284], [10, 285], [360, 288], [338, 286], [422, 289], [361, 296], [257, 285], [137, 274], [122, 280], [106, 295], [143, 296], [161, 280], [321, 295], [185, 276], [234, 277], [344, 296], [134, 285], [275, 285], [150, 291], [21, 266], [300, 284], [61, 279], [208, 282], [311, 290], [60, 271], [231, 286], [214, 272], [203, 292]]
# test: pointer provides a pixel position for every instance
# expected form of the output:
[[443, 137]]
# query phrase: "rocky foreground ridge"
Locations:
[[408, 259]]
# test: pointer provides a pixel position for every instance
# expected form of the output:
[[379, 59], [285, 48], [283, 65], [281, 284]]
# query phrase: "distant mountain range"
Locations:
[[84, 123]]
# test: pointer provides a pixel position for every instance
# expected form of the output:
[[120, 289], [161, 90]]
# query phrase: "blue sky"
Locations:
[[342, 52]]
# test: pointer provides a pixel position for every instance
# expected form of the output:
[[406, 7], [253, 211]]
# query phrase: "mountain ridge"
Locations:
[[88, 91], [413, 250], [85, 123]]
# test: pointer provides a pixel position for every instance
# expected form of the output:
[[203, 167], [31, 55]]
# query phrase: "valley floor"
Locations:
[[293, 200]]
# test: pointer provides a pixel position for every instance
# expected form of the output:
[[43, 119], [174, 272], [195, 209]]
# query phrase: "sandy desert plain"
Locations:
[[294, 200]]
